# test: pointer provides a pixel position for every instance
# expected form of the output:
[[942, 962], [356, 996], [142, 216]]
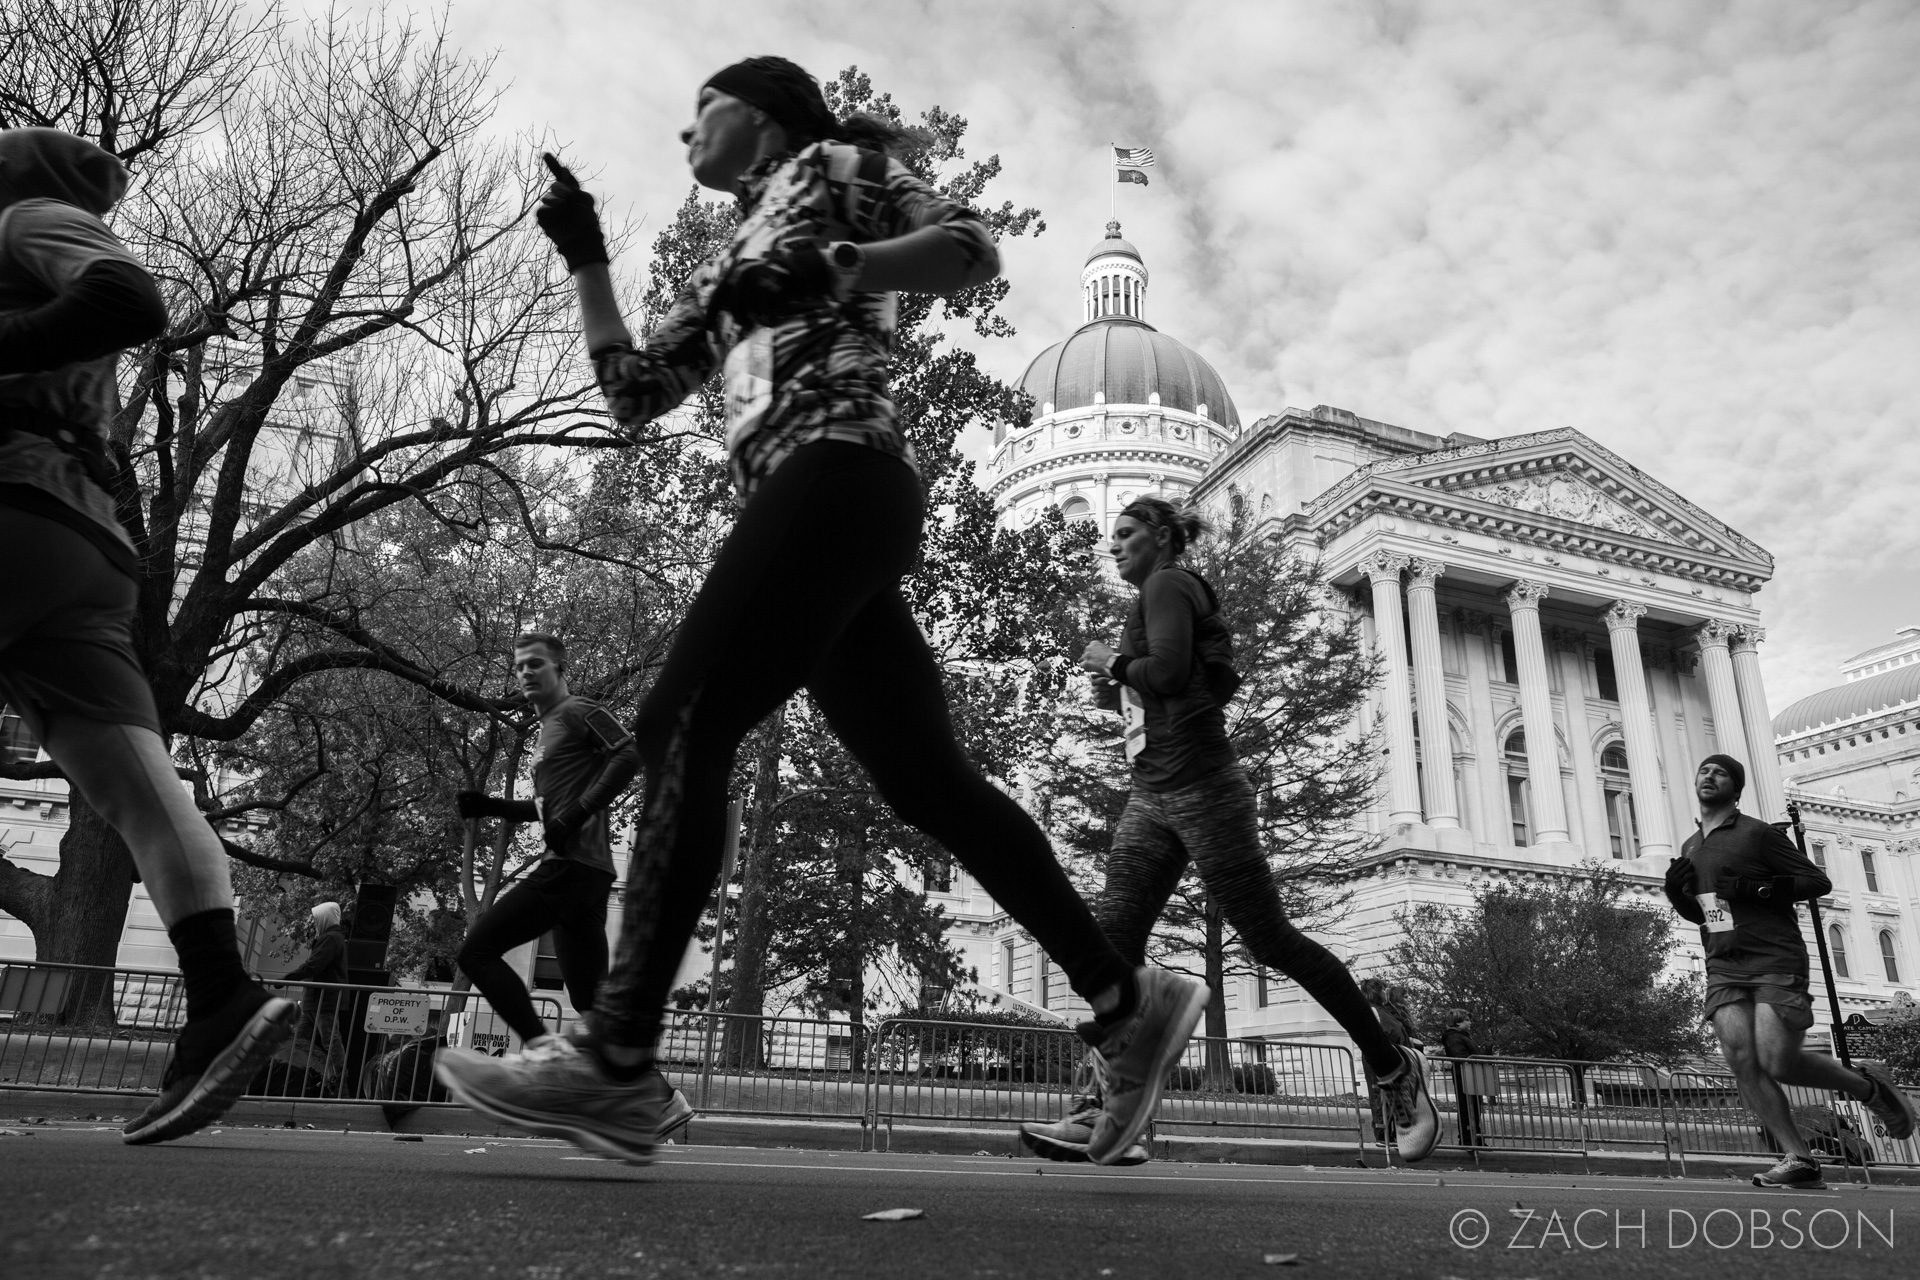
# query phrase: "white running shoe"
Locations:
[[1138, 1053], [562, 1094]]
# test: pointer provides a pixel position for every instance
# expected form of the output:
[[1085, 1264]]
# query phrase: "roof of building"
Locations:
[[1126, 360], [1855, 698], [1113, 243], [1907, 638]]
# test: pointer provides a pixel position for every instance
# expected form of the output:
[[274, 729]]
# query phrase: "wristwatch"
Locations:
[[846, 258]]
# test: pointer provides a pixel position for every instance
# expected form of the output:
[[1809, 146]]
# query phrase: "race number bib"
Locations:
[[1135, 712], [1719, 919], [749, 375]]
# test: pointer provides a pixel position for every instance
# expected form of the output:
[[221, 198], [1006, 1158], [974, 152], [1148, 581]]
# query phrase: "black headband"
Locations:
[[802, 113]]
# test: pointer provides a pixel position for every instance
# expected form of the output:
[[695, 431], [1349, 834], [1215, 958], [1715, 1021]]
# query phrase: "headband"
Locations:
[[801, 112]]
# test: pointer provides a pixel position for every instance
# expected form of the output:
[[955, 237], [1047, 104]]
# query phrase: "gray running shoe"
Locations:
[[1416, 1121], [562, 1094], [1793, 1173], [1889, 1105], [213, 1061], [1066, 1140], [1137, 1054], [677, 1114]]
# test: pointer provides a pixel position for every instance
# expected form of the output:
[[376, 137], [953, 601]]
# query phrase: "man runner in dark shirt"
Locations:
[[1738, 878]]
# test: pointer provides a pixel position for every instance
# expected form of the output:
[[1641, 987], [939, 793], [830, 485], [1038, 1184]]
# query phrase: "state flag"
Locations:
[[1133, 175]]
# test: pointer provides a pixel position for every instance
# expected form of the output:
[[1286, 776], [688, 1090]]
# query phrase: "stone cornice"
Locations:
[[1141, 456]]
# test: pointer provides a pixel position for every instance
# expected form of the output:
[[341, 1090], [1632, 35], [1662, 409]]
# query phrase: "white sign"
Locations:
[[398, 1014], [1719, 919]]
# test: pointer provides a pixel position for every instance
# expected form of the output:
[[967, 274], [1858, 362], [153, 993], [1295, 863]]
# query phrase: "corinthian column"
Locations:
[[1716, 665], [1430, 691], [1636, 721], [1764, 797], [1536, 712], [1390, 633]]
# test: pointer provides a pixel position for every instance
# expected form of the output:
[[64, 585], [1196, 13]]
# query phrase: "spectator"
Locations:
[[1458, 1045], [325, 962]]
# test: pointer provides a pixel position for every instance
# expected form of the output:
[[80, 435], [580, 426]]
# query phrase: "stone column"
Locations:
[[1636, 722], [1430, 690], [1536, 712], [1403, 780], [1729, 732], [1490, 824], [1589, 816], [1106, 514], [1765, 797]]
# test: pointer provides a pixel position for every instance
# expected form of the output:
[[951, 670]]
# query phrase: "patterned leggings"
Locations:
[[1215, 823]]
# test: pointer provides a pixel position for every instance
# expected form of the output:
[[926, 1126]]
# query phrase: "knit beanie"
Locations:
[[1735, 770]]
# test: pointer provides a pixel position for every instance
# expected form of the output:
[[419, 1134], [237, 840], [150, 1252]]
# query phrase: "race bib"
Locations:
[[1719, 919], [1135, 712], [749, 375]]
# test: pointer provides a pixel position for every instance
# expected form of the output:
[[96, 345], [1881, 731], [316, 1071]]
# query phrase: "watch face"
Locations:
[[846, 255]]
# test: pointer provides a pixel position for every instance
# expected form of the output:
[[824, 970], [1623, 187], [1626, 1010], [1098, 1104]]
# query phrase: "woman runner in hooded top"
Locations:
[[1191, 801], [71, 299], [798, 311]]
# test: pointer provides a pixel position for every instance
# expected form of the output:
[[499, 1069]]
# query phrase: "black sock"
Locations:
[[209, 954], [1129, 1001], [613, 1070]]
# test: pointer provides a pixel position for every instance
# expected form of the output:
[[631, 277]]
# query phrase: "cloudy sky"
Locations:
[[1690, 230]]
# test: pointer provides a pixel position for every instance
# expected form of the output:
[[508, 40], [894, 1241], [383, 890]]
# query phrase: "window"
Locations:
[[1617, 790], [1867, 869], [1820, 854], [1262, 995], [1043, 978], [17, 745], [546, 966], [1006, 967], [1509, 660], [1603, 676], [1837, 943], [940, 876], [1887, 960], [1076, 508], [1517, 797]]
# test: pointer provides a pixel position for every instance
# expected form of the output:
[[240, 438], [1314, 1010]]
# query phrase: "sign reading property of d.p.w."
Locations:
[[397, 1014]]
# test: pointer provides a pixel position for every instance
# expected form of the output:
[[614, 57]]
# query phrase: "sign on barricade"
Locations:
[[398, 1013]]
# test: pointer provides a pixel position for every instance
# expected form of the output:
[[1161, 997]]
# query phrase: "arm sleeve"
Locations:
[[1783, 860], [517, 810], [679, 355], [1168, 600], [622, 760], [110, 306], [881, 199]]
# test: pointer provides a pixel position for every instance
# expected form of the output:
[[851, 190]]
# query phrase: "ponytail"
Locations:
[[1185, 525]]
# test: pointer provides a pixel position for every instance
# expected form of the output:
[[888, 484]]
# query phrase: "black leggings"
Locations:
[[562, 896], [805, 593], [1215, 823]]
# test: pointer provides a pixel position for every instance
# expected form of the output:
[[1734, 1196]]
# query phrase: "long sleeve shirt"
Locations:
[[1177, 732], [1749, 935], [821, 372]]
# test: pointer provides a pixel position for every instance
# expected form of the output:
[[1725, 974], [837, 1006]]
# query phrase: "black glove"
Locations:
[[478, 804], [1681, 878], [562, 827], [473, 804], [566, 215], [765, 290], [1733, 888]]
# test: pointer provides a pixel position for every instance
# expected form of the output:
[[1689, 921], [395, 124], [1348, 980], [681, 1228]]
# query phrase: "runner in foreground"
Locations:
[[1738, 878], [583, 761], [1191, 801], [71, 299], [805, 592]]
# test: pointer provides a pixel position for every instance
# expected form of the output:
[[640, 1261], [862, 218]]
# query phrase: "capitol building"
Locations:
[[1562, 638]]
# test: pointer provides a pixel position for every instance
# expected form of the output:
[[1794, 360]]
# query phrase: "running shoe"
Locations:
[[1066, 1140], [1795, 1173], [213, 1061], [1137, 1054], [677, 1114], [1890, 1106], [1416, 1121], [562, 1093]]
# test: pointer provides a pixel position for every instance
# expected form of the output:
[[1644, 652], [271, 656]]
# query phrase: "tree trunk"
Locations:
[[1219, 1058], [751, 934], [86, 913]]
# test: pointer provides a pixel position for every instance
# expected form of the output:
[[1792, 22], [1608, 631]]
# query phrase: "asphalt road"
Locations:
[[244, 1202]]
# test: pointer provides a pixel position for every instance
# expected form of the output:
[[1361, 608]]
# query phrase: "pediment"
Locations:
[[1569, 497]]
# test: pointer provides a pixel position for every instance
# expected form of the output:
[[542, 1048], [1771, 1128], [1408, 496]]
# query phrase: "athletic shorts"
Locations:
[[1786, 992], [66, 628]]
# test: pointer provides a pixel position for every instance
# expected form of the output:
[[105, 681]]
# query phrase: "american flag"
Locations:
[[1133, 157]]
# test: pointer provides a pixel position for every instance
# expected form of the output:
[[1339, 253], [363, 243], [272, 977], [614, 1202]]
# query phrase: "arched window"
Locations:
[[1616, 786], [1887, 959], [17, 745], [1519, 801], [1076, 508], [1868, 870], [1837, 944]]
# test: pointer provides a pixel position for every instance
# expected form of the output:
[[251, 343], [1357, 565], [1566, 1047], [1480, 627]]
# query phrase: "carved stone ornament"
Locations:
[[1423, 572], [1715, 633], [1382, 566], [1569, 498], [1525, 594], [1472, 622], [1624, 615]]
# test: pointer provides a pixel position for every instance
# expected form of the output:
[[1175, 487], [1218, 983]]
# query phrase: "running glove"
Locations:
[[478, 804], [566, 215], [1682, 883], [562, 827], [762, 291], [1734, 888]]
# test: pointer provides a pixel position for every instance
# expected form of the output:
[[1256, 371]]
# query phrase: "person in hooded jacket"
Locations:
[[326, 962], [71, 299], [1191, 800]]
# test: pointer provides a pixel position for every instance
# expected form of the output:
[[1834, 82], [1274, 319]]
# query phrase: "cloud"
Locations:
[[1687, 229]]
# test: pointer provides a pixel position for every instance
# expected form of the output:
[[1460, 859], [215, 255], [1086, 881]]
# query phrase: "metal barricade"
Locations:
[[1275, 1088], [1707, 1117], [1553, 1106], [739, 1064], [954, 1074]]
